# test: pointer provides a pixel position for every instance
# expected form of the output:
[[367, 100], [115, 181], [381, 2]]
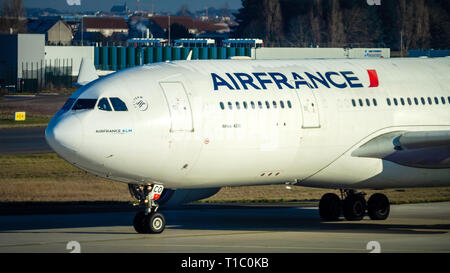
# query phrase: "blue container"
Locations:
[[240, 51], [184, 52], [167, 53], [105, 58], [139, 56], [113, 58], [195, 53]]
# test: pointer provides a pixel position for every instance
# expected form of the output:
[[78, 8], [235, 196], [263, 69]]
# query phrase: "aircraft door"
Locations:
[[309, 108], [179, 106]]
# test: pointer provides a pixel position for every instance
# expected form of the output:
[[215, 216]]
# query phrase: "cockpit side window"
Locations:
[[103, 104], [84, 104], [68, 104], [118, 104]]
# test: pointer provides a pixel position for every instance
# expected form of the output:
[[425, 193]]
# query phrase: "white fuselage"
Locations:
[[176, 133]]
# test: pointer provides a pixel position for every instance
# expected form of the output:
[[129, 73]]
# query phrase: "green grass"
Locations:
[[48, 178], [7, 121]]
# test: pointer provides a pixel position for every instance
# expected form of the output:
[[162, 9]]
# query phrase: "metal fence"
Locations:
[[38, 76]]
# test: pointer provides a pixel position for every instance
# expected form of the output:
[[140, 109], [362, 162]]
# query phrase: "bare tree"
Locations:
[[13, 17], [336, 31], [273, 21], [315, 19], [414, 21]]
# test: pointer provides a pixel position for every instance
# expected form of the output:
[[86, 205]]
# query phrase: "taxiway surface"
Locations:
[[232, 228]]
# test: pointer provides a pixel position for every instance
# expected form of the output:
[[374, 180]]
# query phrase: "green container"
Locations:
[[158, 54], [221, 53], [104, 60], [231, 52], [122, 57], [212, 53], [176, 53], [167, 53], [203, 53], [148, 55], [131, 56]]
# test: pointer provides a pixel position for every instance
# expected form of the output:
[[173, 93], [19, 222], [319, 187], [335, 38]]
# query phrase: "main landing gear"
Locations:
[[354, 206], [148, 220]]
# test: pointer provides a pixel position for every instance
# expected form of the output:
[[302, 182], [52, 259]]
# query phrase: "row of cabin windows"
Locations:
[[401, 101], [253, 104], [417, 101], [367, 101]]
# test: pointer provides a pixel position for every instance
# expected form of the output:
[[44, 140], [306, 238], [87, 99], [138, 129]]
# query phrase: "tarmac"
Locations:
[[232, 228], [27, 140]]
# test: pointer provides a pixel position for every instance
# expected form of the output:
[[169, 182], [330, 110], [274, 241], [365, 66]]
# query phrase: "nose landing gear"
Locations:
[[354, 206], [148, 220]]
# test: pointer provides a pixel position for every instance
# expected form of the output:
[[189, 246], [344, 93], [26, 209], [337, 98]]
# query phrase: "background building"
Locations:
[[57, 32]]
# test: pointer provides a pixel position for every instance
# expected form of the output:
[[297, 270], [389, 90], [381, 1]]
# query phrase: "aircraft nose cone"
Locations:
[[64, 134]]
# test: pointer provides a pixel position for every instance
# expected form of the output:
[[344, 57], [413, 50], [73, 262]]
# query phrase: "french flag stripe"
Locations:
[[373, 76]]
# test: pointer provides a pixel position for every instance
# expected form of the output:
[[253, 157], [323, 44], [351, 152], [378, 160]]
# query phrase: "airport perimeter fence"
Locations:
[[116, 58], [32, 77]]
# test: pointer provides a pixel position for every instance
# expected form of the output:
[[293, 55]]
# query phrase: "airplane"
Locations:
[[178, 131]]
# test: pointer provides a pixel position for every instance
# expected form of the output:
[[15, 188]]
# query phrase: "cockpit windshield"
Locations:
[[84, 104], [68, 104], [103, 104], [118, 104]]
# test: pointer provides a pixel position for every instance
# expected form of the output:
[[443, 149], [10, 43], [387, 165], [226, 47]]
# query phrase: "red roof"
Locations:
[[105, 23]]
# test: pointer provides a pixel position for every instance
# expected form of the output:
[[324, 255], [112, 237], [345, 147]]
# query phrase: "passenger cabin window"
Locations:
[[252, 104], [84, 104], [289, 104], [222, 106], [103, 104], [68, 104], [118, 104], [282, 104]]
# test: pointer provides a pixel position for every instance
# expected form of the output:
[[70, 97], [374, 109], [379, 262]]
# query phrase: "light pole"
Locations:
[[169, 29], [82, 29]]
